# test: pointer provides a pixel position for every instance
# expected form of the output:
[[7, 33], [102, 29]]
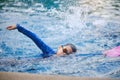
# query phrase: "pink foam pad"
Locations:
[[114, 52]]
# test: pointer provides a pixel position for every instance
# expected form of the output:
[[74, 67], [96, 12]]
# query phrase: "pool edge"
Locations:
[[27, 76]]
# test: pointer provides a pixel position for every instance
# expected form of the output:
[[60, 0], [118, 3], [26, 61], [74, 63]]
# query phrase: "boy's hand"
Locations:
[[11, 27]]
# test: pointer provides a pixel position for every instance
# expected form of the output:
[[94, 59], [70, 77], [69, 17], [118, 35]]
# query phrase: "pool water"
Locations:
[[92, 25]]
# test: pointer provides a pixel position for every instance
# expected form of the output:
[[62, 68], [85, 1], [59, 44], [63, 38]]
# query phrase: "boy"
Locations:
[[47, 51]]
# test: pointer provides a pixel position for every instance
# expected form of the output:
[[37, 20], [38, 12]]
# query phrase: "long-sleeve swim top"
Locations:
[[47, 51]]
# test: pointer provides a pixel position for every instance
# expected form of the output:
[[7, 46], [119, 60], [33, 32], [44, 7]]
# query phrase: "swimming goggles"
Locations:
[[65, 50]]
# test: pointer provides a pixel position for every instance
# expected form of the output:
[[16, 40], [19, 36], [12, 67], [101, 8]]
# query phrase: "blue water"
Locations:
[[92, 25]]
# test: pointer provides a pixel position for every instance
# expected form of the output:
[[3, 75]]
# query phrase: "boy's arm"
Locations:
[[47, 51]]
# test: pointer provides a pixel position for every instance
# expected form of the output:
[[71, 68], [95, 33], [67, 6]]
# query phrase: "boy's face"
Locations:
[[63, 50]]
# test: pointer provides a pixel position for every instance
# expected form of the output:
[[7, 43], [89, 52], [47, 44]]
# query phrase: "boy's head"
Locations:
[[66, 49]]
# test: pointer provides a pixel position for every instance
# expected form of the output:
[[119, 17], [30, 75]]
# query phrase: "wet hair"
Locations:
[[74, 49]]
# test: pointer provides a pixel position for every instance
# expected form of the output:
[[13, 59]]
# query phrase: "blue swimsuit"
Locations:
[[47, 51]]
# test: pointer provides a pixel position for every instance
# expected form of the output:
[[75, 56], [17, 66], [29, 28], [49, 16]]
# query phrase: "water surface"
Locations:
[[93, 26]]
